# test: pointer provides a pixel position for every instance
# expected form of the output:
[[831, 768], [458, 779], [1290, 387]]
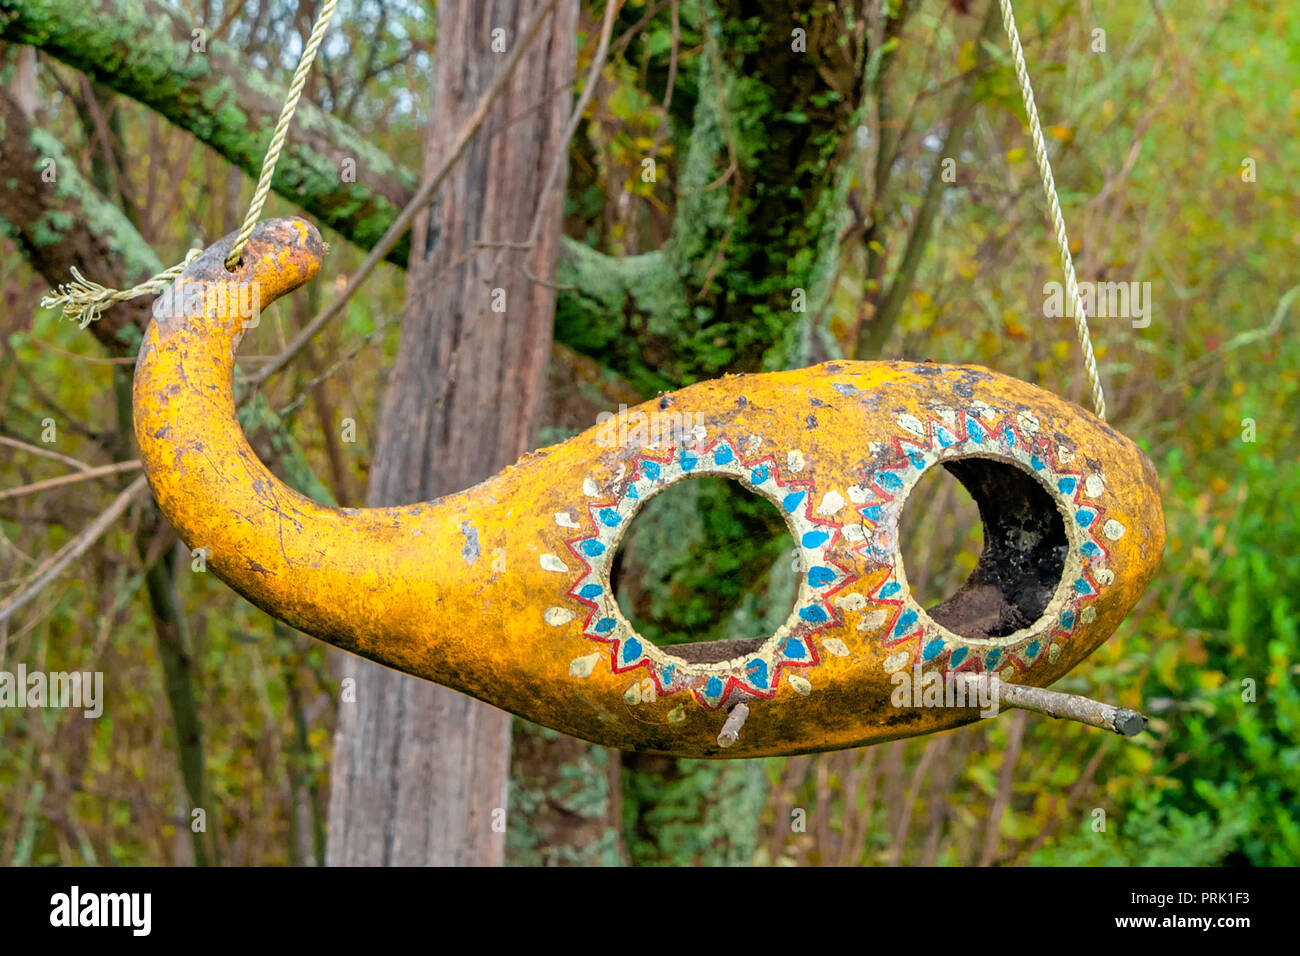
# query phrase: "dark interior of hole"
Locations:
[[1023, 557]]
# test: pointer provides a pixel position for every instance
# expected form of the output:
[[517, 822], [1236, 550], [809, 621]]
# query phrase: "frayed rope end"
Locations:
[[85, 301]]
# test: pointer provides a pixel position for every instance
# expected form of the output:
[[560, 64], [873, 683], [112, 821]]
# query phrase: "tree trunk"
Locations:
[[420, 772]]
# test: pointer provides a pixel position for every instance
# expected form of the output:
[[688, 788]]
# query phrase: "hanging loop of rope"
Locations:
[[281, 131], [84, 300], [1058, 221]]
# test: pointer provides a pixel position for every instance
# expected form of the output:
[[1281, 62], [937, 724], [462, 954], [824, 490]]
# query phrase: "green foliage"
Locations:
[[673, 596], [693, 812], [692, 276]]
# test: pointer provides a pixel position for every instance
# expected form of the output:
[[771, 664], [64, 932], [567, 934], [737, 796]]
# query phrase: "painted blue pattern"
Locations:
[[1001, 437], [758, 671], [887, 479], [905, 622], [819, 576]]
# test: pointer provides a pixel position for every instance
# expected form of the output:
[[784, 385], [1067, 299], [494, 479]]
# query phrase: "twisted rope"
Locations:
[[1058, 221], [281, 131], [85, 300]]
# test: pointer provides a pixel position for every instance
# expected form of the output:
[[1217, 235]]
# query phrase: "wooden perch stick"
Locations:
[[1118, 720]]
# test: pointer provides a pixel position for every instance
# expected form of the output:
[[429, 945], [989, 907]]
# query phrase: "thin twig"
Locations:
[[588, 90], [55, 565], [44, 452], [1006, 778], [408, 213], [37, 486]]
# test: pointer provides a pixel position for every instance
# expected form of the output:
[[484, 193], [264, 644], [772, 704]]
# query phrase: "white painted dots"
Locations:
[[550, 562], [584, 666], [896, 662], [1113, 530], [851, 602], [872, 621], [835, 646], [557, 616], [832, 502], [912, 424], [1093, 486]]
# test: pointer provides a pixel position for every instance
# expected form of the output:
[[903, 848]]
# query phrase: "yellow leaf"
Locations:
[[1210, 680], [1062, 133], [966, 58], [1015, 155], [1141, 760]]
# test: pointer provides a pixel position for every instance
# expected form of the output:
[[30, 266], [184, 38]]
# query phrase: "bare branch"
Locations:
[[44, 452], [90, 473], [55, 565], [418, 202]]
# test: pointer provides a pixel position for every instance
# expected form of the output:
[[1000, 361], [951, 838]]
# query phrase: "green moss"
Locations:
[[578, 789], [135, 53], [695, 813]]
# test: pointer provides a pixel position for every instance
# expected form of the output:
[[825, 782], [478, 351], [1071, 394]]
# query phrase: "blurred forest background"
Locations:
[[1173, 135]]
